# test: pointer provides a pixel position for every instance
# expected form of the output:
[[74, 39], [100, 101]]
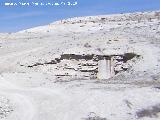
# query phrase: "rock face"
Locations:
[[76, 67]]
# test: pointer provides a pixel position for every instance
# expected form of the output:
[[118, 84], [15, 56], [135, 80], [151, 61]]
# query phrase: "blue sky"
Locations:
[[15, 18]]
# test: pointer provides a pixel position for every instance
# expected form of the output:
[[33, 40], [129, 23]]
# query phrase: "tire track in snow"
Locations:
[[29, 100]]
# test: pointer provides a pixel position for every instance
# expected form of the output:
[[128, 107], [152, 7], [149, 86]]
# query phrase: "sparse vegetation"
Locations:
[[151, 112], [95, 118], [87, 45]]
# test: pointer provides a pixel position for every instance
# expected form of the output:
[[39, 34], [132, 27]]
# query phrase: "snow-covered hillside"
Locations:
[[88, 68]]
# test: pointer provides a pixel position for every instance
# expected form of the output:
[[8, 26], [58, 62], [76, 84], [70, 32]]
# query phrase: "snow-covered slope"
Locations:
[[31, 60]]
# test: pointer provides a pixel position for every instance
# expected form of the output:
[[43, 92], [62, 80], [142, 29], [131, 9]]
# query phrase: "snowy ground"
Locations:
[[35, 94]]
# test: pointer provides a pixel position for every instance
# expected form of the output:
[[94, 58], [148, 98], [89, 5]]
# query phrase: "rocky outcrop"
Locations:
[[5, 108], [89, 66]]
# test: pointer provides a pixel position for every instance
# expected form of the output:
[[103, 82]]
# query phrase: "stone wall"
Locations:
[[71, 66]]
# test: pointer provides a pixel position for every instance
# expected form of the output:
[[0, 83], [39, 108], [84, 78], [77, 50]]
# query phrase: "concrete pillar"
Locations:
[[104, 70], [112, 64]]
